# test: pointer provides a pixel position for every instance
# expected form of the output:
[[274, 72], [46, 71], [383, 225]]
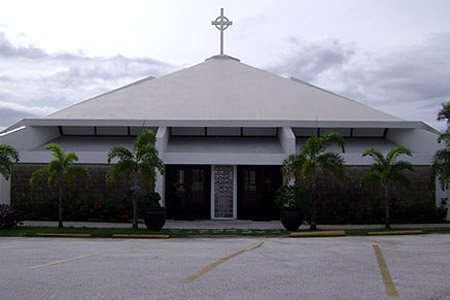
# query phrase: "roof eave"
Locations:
[[231, 123]]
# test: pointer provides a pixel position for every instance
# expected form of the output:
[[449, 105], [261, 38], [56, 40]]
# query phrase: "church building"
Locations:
[[223, 129]]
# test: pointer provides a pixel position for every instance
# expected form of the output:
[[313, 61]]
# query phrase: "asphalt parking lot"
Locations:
[[386, 267]]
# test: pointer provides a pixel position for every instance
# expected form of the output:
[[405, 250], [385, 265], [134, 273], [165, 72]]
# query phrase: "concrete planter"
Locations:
[[291, 218], [155, 219]]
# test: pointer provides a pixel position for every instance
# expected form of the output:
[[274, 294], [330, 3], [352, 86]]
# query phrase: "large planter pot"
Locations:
[[291, 218], [154, 219]]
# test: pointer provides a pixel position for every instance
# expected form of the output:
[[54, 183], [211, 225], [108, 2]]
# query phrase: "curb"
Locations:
[[76, 235], [332, 233], [142, 236], [400, 232]]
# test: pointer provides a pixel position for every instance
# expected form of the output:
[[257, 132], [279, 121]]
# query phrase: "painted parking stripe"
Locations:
[[56, 262], [377, 241], [387, 279], [221, 261]]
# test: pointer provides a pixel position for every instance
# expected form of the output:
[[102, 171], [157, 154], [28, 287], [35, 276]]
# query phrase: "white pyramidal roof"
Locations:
[[221, 89]]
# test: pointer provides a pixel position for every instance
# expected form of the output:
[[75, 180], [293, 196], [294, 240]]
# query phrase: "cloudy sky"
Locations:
[[391, 55]]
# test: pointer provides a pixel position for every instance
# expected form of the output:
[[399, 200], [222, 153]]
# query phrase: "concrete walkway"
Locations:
[[216, 224]]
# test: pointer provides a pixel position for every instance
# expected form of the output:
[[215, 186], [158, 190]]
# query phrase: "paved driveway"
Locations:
[[412, 267]]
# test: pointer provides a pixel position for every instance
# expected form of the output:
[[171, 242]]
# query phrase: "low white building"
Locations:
[[223, 129]]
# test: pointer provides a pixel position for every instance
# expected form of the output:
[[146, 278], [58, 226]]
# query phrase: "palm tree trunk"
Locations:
[[135, 208], [60, 193], [387, 218], [313, 203]]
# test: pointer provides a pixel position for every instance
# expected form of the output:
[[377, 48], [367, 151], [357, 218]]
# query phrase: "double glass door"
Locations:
[[188, 190], [256, 192]]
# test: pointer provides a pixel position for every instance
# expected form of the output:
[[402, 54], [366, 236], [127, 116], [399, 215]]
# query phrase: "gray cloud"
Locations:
[[34, 83], [308, 61], [9, 116], [8, 50], [410, 82]]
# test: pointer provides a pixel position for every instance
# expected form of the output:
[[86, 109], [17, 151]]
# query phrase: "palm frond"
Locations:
[[441, 167], [8, 151], [57, 151], [123, 167], [332, 163], [55, 166], [396, 152], [330, 138], [445, 137], [370, 178], [121, 153], [146, 137], [444, 113], [70, 158], [291, 167], [401, 165], [54, 180], [313, 146], [376, 155], [71, 174], [38, 176], [308, 171], [400, 178], [8, 156]]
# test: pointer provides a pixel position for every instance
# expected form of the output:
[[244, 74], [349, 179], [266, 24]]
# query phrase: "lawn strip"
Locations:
[[76, 235], [325, 233], [399, 232], [22, 231], [141, 236]]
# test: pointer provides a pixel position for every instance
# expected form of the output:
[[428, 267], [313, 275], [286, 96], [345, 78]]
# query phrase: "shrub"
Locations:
[[292, 196], [9, 216], [147, 201]]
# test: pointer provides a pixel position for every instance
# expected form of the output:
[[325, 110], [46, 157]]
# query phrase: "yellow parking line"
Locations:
[[221, 261], [377, 241], [387, 279], [79, 257]]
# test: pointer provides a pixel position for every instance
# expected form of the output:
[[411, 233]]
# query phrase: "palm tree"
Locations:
[[444, 113], [8, 156], [139, 162], [441, 159], [441, 162], [312, 157], [59, 173], [387, 169]]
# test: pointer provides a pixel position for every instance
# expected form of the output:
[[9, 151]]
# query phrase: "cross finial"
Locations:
[[221, 23]]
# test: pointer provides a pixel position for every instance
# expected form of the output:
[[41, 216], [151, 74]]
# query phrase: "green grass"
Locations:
[[358, 232], [22, 231]]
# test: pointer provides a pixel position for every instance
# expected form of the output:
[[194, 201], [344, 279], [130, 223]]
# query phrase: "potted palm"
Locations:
[[154, 214], [293, 203], [312, 158]]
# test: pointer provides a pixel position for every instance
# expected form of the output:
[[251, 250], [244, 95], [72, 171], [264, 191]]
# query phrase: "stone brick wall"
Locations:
[[333, 199], [96, 189], [422, 189], [223, 191]]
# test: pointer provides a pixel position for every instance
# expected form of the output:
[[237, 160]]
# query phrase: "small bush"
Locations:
[[9, 217], [292, 196], [148, 201]]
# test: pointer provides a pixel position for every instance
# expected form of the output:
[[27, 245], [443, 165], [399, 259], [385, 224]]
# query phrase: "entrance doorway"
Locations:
[[256, 192], [188, 192]]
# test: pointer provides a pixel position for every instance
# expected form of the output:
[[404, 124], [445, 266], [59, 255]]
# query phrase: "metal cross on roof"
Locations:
[[221, 23]]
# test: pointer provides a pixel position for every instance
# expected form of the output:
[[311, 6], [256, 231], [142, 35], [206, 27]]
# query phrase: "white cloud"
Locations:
[[34, 83]]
